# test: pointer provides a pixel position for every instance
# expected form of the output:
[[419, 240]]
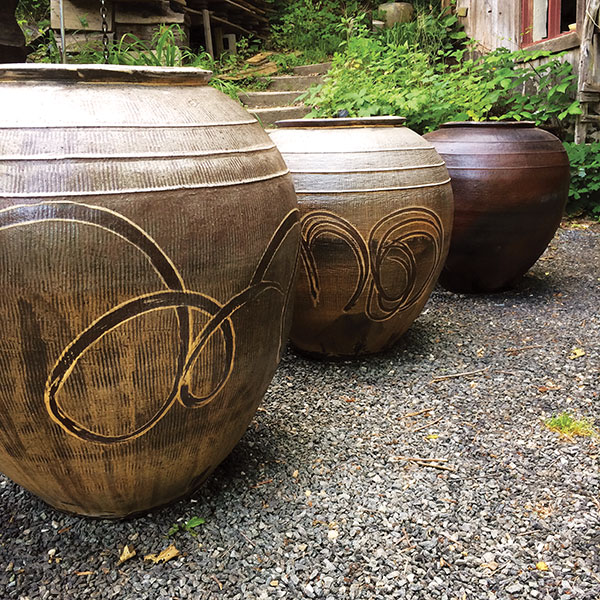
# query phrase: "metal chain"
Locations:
[[103, 14]]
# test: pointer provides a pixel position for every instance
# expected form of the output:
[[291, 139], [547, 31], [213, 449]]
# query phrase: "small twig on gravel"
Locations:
[[247, 538], [415, 414], [434, 463], [421, 427], [419, 458], [261, 483], [436, 466], [454, 375], [515, 351], [406, 549], [218, 582]]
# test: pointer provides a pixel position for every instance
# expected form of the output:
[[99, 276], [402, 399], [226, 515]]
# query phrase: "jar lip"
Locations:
[[343, 122], [91, 73], [522, 124]]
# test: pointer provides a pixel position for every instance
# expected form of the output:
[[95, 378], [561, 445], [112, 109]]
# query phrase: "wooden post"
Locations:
[[585, 62], [219, 47], [208, 32]]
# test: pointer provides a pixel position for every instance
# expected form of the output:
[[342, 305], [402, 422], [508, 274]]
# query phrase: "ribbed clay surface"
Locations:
[[376, 213], [149, 238]]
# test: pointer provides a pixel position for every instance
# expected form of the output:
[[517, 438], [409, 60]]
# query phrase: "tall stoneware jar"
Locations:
[[510, 182], [376, 214], [148, 242]]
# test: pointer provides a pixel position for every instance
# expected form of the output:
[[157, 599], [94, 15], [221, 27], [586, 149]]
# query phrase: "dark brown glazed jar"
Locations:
[[510, 182], [376, 215], [149, 235]]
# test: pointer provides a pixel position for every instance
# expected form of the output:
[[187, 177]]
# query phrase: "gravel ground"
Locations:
[[319, 501]]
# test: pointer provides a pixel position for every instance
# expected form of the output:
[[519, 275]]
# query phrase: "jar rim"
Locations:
[[385, 121], [522, 124], [92, 73]]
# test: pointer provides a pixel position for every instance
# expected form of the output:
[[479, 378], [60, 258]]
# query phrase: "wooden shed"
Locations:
[[212, 24], [568, 26]]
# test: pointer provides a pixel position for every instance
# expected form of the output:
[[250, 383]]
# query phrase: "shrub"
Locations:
[[316, 28], [584, 189], [426, 79]]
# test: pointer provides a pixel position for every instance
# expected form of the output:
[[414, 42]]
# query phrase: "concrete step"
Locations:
[[316, 69], [293, 83], [268, 99], [268, 116]]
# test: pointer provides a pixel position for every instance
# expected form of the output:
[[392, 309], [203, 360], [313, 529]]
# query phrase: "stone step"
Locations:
[[316, 69], [268, 116], [268, 99], [293, 83]]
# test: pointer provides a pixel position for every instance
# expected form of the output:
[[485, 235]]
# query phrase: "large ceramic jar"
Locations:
[[510, 182], [376, 212], [149, 238]]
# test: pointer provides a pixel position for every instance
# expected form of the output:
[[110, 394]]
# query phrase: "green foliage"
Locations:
[[425, 72], [188, 526], [431, 32], [33, 10], [584, 189], [33, 16], [315, 28], [163, 50], [569, 426]]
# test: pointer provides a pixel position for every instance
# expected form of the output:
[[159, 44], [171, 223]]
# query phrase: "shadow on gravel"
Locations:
[[418, 340], [530, 288]]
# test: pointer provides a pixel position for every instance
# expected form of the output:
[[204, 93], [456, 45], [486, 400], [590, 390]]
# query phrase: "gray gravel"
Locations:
[[316, 501]]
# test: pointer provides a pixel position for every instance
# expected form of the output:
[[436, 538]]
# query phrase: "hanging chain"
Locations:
[[103, 14]]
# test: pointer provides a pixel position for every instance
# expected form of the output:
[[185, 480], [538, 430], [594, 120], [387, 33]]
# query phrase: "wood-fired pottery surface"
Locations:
[[510, 182], [148, 243], [376, 213], [12, 40]]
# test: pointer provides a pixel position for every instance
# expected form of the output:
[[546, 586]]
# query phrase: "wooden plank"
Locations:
[[492, 24], [146, 32], [144, 14], [77, 42], [563, 42], [585, 65], [80, 15]]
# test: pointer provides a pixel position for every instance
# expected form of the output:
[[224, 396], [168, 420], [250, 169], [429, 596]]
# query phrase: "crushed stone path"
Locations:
[[423, 473]]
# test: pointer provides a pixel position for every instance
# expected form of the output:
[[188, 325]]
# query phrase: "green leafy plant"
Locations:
[[165, 49], [584, 188], [426, 71], [569, 426], [188, 526], [315, 28]]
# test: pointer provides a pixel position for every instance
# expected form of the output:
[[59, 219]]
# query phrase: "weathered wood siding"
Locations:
[[493, 23]]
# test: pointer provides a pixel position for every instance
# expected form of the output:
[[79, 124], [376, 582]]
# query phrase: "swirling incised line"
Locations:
[[389, 241], [176, 297], [322, 222]]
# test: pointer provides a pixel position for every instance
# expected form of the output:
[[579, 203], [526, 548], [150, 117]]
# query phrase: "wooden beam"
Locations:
[[207, 32], [80, 15], [140, 14], [585, 66]]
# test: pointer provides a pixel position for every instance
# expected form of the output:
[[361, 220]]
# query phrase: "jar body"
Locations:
[[376, 212], [510, 183], [143, 264]]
